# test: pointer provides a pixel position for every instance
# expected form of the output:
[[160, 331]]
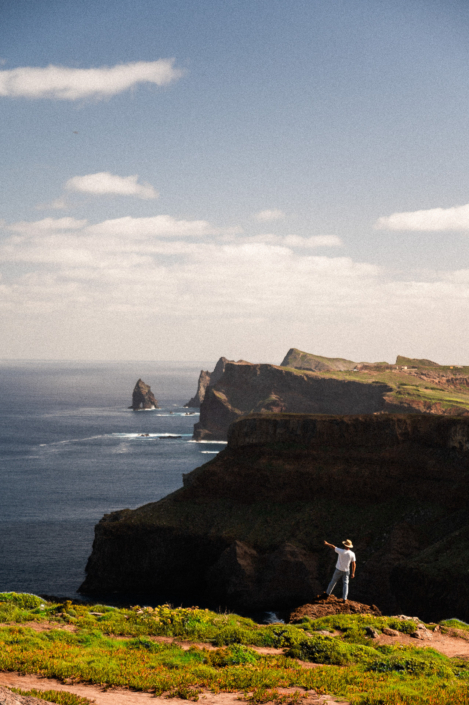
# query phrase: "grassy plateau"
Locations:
[[109, 646]]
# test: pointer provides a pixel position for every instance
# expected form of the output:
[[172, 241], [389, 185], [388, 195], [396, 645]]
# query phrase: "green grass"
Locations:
[[351, 665], [54, 696]]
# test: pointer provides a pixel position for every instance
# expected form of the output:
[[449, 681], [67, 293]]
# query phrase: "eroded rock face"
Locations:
[[245, 388], [206, 379], [247, 529], [142, 397], [202, 384]]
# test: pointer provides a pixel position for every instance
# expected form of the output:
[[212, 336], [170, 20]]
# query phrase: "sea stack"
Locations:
[[143, 397]]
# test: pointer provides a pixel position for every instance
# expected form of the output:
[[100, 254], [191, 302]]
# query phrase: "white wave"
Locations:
[[210, 452], [213, 442]]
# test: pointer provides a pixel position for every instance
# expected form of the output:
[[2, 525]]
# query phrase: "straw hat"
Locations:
[[347, 544]]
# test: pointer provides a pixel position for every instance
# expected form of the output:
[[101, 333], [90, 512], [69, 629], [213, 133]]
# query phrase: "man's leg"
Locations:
[[335, 578], [345, 585]]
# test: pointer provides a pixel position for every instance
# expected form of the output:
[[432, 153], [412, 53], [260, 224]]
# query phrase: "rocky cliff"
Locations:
[[247, 528], [143, 397], [367, 388], [307, 361], [206, 379], [246, 388]]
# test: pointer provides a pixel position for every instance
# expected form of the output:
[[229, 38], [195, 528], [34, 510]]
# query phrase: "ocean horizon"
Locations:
[[71, 451]]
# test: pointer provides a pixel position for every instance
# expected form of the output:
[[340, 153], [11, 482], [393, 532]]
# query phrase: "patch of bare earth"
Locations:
[[122, 696]]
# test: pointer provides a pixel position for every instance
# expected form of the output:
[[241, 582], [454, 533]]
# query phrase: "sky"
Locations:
[[188, 179]]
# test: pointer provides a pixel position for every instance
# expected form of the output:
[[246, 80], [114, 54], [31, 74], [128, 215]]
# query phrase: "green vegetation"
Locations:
[[223, 655], [54, 696]]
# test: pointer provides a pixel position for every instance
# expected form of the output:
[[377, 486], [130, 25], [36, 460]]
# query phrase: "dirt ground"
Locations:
[[121, 696]]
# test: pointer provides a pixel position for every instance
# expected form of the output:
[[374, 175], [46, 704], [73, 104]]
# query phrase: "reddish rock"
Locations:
[[323, 606]]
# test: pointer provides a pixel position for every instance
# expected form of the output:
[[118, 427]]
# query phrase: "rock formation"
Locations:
[[247, 529], [330, 386], [206, 379], [246, 388], [142, 397], [306, 361]]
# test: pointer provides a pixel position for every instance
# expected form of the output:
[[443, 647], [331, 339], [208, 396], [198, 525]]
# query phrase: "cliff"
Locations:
[[307, 361], [142, 397], [368, 388], [247, 529], [206, 378]]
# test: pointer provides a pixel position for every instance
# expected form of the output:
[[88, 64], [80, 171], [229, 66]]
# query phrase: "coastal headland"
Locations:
[[311, 384], [247, 529]]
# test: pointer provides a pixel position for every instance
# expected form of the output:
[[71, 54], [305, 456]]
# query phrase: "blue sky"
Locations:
[[189, 179]]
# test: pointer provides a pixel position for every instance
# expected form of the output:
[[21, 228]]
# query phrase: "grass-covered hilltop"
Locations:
[[363, 659], [312, 384]]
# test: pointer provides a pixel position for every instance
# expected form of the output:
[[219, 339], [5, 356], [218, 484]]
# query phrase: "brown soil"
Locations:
[[323, 606], [121, 696]]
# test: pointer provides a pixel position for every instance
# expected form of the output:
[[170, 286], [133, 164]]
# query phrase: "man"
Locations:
[[345, 561]]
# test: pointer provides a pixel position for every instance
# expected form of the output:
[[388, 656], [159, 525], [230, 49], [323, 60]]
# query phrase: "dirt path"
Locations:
[[121, 696], [448, 644]]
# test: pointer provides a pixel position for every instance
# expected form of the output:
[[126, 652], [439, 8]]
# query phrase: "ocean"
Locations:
[[71, 451]]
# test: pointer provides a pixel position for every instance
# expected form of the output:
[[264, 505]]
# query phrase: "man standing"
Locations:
[[345, 560]]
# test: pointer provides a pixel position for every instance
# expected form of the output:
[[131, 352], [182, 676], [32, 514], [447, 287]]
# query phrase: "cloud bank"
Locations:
[[456, 218], [103, 183], [93, 288], [269, 215], [63, 83]]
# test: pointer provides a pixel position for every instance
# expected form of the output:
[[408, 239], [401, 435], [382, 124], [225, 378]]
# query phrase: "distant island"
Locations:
[[143, 397], [308, 383]]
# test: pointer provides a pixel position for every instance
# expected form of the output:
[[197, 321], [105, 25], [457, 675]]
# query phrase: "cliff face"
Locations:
[[245, 388], [247, 528], [367, 388], [206, 379], [143, 397]]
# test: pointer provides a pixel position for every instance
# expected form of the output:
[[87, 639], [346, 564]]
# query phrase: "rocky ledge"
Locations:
[[247, 529]]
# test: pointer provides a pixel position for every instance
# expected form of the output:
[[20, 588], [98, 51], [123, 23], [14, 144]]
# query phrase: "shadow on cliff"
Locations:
[[246, 531]]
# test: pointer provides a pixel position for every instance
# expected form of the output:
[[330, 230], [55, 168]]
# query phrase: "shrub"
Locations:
[[22, 599]]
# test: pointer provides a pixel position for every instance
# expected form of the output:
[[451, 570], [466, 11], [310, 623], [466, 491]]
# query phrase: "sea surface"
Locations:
[[71, 451]]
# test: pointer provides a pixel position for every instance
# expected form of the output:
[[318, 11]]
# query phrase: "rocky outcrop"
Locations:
[[246, 388], [142, 397], [247, 530], [206, 379], [307, 361], [329, 387], [202, 384]]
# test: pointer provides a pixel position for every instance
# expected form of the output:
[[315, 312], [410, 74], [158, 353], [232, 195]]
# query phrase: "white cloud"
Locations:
[[63, 83], [46, 225], [296, 241], [156, 226], [456, 218], [103, 182], [313, 241], [268, 215]]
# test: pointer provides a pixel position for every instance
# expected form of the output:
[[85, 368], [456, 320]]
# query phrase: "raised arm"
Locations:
[[329, 544]]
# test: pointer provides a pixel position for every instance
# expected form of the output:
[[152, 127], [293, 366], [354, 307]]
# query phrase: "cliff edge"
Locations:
[[312, 384], [247, 529]]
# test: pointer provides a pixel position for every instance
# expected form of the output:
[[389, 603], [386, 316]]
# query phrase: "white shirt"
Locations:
[[346, 556]]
